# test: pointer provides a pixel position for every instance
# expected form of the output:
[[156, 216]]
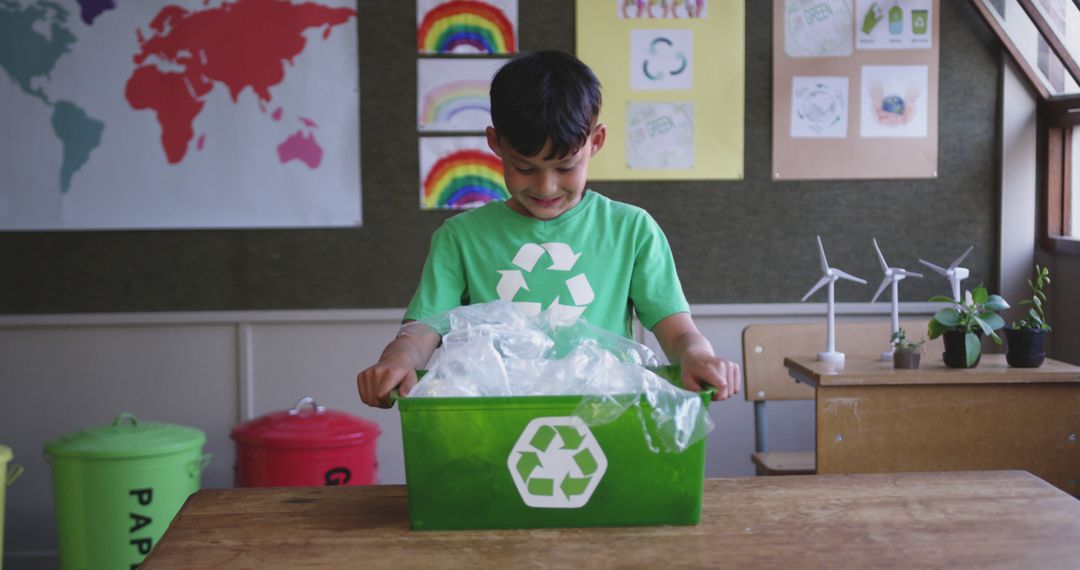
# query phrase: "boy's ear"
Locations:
[[599, 135], [493, 141]]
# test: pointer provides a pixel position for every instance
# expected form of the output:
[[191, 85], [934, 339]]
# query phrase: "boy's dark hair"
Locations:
[[545, 95]]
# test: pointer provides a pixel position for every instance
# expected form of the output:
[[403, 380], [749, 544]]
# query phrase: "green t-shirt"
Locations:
[[602, 259]]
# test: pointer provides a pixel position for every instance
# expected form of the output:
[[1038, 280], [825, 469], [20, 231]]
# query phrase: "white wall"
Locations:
[[61, 373], [1019, 169]]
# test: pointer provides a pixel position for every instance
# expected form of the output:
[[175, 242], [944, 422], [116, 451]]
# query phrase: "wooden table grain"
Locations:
[[988, 519], [871, 418]]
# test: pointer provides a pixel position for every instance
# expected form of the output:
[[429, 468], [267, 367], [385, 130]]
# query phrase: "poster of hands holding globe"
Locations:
[[855, 89]]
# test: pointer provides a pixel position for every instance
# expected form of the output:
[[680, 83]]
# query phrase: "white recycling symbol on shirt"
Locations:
[[563, 258]]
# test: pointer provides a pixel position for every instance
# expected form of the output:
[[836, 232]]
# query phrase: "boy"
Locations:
[[553, 244]]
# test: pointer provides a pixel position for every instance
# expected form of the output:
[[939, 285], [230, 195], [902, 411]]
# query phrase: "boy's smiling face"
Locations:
[[545, 188]]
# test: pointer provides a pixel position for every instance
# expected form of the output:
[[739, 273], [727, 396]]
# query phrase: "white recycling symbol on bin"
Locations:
[[563, 258], [557, 463]]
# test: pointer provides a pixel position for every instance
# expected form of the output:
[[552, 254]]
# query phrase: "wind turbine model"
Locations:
[[830, 277], [892, 275], [954, 273]]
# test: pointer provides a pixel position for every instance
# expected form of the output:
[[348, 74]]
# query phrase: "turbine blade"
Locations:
[[884, 283], [906, 273], [881, 258], [960, 259], [821, 250], [821, 282], [849, 276], [937, 268]]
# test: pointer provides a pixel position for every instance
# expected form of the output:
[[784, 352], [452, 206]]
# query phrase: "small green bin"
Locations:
[[117, 487], [526, 462]]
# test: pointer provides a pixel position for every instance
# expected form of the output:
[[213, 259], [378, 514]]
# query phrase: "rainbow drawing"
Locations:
[[444, 107], [468, 26], [462, 179]]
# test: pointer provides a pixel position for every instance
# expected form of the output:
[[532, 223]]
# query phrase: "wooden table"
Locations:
[[874, 419], [982, 519]]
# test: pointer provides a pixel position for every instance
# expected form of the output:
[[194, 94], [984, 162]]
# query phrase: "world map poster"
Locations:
[[124, 114]]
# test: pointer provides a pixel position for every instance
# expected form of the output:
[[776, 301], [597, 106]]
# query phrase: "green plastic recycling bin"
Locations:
[[528, 462], [117, 487], [8, 475]]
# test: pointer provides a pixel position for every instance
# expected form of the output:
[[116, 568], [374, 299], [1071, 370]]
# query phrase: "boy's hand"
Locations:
[[394, 370], [700, 372], [683, 343]]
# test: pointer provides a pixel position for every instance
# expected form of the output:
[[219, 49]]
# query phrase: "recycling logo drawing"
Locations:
[[563, 259], [661, 59], [557, 463]]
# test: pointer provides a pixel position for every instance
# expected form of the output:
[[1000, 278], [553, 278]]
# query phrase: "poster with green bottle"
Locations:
[[893, 24]]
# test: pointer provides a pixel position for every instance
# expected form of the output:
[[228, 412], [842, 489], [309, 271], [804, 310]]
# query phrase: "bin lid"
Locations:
[[127, 437], [308, 425]]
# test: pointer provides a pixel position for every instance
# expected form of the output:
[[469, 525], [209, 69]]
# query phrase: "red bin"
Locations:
[[305, 446]]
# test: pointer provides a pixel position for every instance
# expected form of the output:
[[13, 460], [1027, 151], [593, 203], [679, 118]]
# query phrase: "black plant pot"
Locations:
[[955, 355], [1025, 347]]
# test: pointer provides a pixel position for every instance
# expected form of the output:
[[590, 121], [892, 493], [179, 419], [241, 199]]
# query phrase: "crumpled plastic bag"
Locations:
[[494, 349]]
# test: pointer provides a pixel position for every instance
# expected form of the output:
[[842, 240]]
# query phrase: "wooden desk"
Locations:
[[874, 419], [958, 519]]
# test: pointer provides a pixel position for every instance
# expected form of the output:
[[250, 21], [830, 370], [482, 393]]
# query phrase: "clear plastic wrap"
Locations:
[[493, 349]]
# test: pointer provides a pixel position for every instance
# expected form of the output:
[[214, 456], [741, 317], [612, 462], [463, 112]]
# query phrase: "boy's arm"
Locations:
[[396, 368], [686, 346]]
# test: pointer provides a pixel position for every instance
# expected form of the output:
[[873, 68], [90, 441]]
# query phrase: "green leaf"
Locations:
[[1034, 315], [979, 295], [993, 319], [936, 329], [997, 339], [995, 303], [948, 317], [1035, 301], [942, 299], [1041, 295], [972, 347], [985, 326]]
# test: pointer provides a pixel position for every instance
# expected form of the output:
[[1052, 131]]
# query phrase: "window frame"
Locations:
[[1058, 115]]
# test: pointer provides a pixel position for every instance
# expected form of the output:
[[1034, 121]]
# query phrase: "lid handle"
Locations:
[[197, 466], [13, 472], [125, 416], [306, 401]]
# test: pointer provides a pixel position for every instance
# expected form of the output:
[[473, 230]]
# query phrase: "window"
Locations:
[[1043, 39]]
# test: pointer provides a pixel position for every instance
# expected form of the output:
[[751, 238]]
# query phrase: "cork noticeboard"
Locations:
[[855, 89]]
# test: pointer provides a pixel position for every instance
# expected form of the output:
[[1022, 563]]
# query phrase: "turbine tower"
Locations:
[[893, 275], [829, 278]]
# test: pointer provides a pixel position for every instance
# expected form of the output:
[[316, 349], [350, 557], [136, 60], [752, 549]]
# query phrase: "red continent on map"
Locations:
[[241, 44]]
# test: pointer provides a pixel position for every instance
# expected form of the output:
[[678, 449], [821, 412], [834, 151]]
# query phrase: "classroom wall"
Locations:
[[746, 241], [207, 328]]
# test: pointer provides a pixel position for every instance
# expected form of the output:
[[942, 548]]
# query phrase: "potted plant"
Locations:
[[1027, 337], [964, 323], [905, 354]]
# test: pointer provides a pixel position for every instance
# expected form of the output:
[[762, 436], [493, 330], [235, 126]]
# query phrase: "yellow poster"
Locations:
[[672, 73]]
